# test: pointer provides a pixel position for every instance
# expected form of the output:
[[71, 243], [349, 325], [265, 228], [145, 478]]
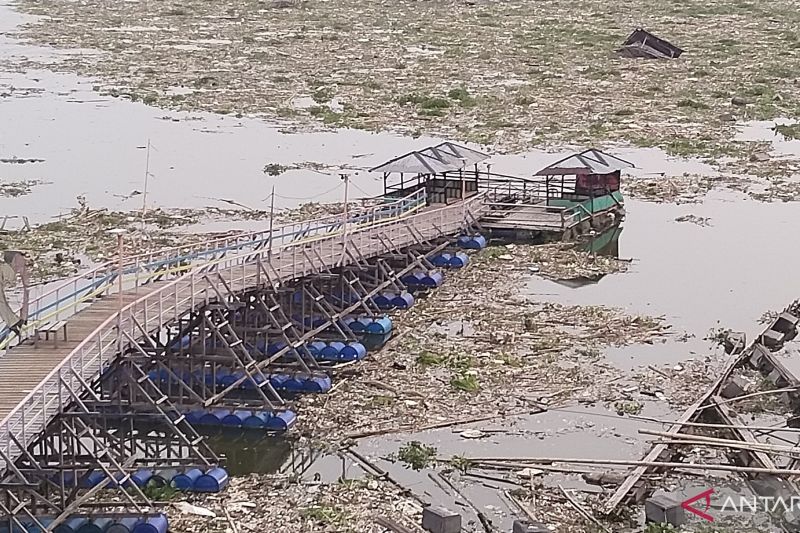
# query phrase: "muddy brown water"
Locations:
[[95, 146], [700, 278]]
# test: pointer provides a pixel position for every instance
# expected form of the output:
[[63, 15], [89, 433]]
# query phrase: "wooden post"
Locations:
[[547, 191]]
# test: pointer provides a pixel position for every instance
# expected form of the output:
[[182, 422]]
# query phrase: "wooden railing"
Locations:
[[62, 299], [290, 258]]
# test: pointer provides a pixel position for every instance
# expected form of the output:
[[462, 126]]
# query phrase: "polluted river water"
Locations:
[[724, 274]]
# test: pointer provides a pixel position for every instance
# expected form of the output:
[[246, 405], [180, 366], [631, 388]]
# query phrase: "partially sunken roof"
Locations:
[[590, 161], [443, 157], [642, 43]]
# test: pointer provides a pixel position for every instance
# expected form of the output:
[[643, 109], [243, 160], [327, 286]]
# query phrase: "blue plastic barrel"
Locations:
[[413, 279], [278, 381], [154, 524], [183, 342], [459, 260], [97, 525], [403, 300], [316, 347], [182, 374], [197, 377], [213, 417], [185, 480], [126, 525], [141, 477], [383, 301], [441, 260], [294, 383], [235, 419], [351, 298], [211, 343], [116, 481], [215, 378], [94, 479], [69, 481], [254, 382], [302, 351], [193, 417], [432, 279], [478, 242], [317, 384], [72, 525], [380, 326], [214, 480], [261, 346], [227, 380], [30, 528], [275, 347], [281, 421], [162, 478], [463, 240], [257, 420], [332, 350], [355, 325], [354, 351]]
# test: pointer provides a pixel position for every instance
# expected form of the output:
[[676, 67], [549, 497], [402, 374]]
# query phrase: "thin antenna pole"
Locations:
[[146, 179], [346, 179], [463, 190], [271, 218]]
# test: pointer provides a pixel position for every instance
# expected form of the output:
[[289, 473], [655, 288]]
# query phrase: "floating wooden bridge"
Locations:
[[229, 331]]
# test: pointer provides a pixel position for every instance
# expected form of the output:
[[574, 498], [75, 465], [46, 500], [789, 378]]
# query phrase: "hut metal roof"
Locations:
[[589, 161], [448, 151], [443, 157]]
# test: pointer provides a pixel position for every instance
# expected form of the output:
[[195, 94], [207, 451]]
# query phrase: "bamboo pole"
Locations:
[[795, 454], [716, 426], [725, 442], [578, 507], [485, 522], [531, 462], [752, 395], [520, 506]]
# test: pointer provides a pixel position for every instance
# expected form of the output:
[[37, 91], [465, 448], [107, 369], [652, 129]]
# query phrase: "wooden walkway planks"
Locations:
[[25, 366], [526, 217]]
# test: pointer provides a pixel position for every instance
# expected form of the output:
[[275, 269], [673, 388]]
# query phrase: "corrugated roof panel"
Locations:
[[443, 157], [415, 163], [587, 162]]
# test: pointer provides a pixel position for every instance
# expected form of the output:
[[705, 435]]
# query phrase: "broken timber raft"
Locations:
[[761, 355]]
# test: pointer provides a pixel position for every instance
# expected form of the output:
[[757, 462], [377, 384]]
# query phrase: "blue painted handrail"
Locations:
[[101, 278]]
